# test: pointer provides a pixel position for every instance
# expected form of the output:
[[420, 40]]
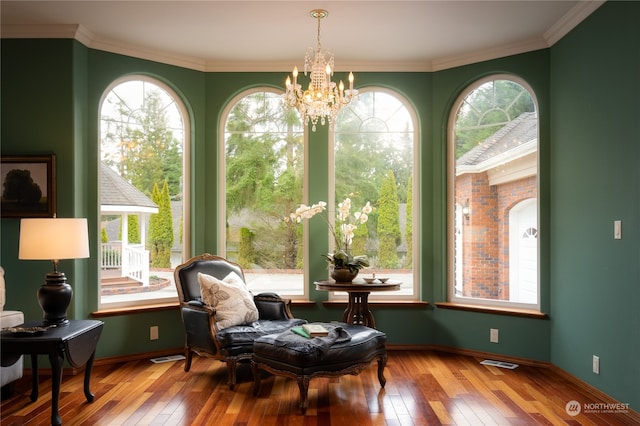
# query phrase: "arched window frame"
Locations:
[[303, 292], [148, 298], [454, 211], [409, 291]]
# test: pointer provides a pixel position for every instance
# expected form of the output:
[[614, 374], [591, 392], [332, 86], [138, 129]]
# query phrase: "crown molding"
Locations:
[[489, 54], [87, 38], [78, 32], [571, 19], [39, 31], [148, 54]]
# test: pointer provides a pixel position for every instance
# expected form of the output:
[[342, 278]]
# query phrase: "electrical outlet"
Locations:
[[596, 364], [493, 335], [153, 332], [617, 229]]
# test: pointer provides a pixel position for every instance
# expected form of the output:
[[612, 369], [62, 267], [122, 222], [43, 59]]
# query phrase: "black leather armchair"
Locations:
[[232, 344]]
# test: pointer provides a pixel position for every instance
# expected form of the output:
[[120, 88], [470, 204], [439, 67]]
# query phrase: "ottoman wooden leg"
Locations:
[[382, 362], [256, 378], [303, 385]]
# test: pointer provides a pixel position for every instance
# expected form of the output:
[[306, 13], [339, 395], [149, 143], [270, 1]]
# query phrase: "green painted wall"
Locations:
[[587, 91], [37, 118], [595, 154]]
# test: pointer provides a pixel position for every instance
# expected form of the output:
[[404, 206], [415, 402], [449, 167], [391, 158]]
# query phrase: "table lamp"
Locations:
[[54, 239]]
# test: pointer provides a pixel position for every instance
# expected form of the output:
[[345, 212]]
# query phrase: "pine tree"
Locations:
[[161, 228], [154, 221], [358, 245], [389, 236], [246, 252], [133, 229]]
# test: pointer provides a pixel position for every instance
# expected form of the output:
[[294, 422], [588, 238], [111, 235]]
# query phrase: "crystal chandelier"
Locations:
[[322, 100]]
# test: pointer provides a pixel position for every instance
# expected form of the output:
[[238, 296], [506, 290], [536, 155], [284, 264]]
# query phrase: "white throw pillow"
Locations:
[[232, 301]]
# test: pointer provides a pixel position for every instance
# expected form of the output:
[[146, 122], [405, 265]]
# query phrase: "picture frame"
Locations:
[[28, 186]]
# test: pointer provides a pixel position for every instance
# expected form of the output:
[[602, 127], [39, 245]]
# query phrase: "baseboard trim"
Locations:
[[139, 356], [633, 416], [491, 355], [72, 371]]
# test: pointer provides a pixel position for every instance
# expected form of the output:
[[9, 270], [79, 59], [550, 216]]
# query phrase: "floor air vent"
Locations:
[[167, 358], [500, 364]]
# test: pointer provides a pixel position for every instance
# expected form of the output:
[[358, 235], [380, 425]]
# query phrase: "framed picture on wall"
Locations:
[[28, 186]]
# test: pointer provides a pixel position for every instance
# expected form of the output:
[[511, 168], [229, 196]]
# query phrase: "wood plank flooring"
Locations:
[[423, 388]]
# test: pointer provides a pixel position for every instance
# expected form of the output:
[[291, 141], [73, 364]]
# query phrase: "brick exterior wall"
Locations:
[[485, 236]]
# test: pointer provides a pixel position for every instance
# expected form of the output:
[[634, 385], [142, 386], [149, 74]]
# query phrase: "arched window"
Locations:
[[143, 191], [493, 193], [261, 182], [375, 157]]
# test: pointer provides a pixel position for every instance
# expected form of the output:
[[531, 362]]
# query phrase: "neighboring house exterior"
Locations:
[[496, 184], [119, 197]]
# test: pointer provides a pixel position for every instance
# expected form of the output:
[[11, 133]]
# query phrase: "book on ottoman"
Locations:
[[315, 330]]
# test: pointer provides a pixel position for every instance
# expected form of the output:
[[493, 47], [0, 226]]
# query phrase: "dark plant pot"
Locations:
[[343, 275]]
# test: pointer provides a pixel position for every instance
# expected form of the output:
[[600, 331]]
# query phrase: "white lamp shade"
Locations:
[[53, 239]]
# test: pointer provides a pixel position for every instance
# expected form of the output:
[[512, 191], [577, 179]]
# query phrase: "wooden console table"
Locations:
[[357, 311], [77, 341]]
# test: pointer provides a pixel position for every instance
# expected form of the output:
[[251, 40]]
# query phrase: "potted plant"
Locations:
[[343, 264]]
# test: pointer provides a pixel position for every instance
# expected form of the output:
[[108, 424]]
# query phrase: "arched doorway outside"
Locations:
[[523, 245]]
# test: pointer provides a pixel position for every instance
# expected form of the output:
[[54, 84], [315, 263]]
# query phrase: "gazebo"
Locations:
[[119, 197]]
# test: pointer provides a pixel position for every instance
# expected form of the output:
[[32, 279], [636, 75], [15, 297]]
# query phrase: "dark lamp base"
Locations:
[[54, 297]]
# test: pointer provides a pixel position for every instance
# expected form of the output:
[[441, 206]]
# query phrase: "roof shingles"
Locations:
[[115, 191]]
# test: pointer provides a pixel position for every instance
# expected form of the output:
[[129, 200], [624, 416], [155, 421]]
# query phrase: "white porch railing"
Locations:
[[132, 259], [111, 253]]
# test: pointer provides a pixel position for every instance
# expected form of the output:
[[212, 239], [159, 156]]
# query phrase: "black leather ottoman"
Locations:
[[340, 353]]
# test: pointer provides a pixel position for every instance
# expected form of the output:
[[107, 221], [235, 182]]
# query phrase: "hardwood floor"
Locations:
[[423, 388]]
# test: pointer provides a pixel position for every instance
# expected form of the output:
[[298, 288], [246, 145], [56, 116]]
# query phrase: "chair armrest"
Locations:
[[200, 327], [272, 307], [195, 302], [195, 311]]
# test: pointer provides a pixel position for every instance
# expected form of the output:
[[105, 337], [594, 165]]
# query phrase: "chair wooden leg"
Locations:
[[231, 372], [382, 362], [188, 357]]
